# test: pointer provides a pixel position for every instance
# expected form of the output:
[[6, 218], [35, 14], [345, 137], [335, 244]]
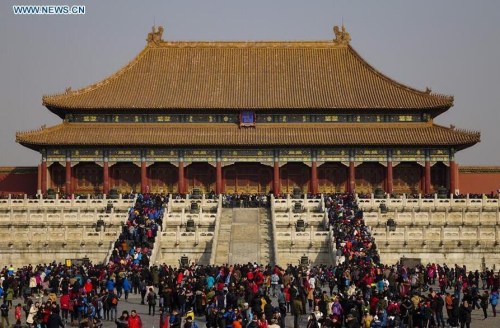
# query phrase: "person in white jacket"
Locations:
[[31, 314]]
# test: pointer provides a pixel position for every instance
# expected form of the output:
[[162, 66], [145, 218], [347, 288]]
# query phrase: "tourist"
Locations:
[[4, 311], [32, 313], [134, 321], [465, 314], [151, 299], [17, 312], [175, 319], [122, 321], [494, 301], [484, 303], [54, 320]]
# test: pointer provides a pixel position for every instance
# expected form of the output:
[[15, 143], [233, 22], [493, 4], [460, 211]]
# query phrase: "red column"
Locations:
[[427, 177], [43, 183], [389, 177], [453, 177], [314, 177], [181, 184], [105, 183], [68, 177], [352, 176], [276, 178], [39, 178], [144, 177], [218, 180]]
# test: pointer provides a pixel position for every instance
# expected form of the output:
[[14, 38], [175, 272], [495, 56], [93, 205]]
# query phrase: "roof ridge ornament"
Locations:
[[155, 36], [341, 35]]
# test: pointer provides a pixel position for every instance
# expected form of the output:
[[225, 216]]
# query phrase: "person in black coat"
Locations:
[[55, 320], [464, 314]]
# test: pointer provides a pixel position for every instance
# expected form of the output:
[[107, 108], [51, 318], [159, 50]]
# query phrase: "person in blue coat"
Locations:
[[127, 286], [110, 285]]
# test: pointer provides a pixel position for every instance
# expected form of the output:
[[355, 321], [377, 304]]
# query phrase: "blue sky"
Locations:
[[451, 46]]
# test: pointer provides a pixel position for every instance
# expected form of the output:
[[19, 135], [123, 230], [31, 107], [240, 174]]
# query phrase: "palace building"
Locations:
[[247, 117]]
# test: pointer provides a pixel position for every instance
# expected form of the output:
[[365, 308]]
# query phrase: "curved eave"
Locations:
[[230, 135]]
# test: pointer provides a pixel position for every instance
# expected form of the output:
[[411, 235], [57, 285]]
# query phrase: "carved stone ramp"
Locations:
[[245, 236]]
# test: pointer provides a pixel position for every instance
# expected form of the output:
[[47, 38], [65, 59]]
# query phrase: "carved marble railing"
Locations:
[[283, 204], [274, 231], [59, 217], [422, 237], [176, 205], [180, 218], [215, 239], [88, 202], [56, 238], [429, 203], [464, 217]]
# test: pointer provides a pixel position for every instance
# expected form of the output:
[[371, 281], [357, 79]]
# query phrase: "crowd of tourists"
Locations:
[[356, 291], [138, 234], [246, 200]]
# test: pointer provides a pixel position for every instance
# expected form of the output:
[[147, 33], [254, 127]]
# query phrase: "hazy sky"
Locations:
[[451, 46]]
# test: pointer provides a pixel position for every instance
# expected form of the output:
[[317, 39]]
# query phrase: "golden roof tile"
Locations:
[[247, 75]]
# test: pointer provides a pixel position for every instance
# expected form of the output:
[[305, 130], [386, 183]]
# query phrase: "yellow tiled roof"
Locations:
[[251, 75], [269, 134]]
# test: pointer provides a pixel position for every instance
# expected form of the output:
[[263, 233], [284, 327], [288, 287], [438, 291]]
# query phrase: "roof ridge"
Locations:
[[93, 86], [459, 130], [427, 93], [246, 43]]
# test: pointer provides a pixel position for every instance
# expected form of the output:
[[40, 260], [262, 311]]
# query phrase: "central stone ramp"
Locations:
[[245, 236]]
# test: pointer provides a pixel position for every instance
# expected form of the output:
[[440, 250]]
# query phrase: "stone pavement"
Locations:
[[153, 321]]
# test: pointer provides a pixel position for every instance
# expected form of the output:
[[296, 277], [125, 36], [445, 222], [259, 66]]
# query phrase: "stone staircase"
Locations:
[[245, 235], [224, 238], [266, 237]]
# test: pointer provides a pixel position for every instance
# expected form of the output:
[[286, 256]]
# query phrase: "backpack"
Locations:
[[114, 300]]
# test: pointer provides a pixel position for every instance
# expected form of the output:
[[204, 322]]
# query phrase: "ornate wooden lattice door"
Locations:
[[57, 177], [407, 178], [87, 178], [295, 175], [126, 177], [163, 178], [439, 176], [332, 177], [369, 176], [200, 176], [248, 178]]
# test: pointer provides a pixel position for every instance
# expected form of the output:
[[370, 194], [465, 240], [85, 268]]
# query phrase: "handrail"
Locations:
[[155, 250], [110, 252], [275, 238], [216, 231]]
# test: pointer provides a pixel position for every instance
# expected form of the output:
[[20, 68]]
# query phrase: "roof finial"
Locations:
[[341, 35], [155, 36]]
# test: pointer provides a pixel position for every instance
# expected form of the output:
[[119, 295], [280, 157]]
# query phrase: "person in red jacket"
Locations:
[[134, 321], [64, 301]]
